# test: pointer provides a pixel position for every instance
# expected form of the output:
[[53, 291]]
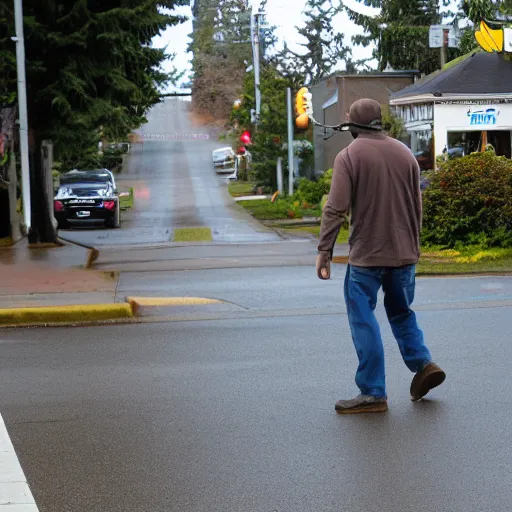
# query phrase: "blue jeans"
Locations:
[[361, 288]]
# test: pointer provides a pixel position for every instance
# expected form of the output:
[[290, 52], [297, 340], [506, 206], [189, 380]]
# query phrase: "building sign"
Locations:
[[443, 35], [483, 117]]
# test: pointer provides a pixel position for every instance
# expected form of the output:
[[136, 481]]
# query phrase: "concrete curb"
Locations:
[[136, 303], [85, 313]]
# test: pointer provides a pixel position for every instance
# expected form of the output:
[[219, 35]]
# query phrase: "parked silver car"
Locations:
[[223, 159]]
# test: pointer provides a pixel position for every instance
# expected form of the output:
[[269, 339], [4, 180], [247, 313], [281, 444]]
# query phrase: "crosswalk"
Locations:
[[15, 494]]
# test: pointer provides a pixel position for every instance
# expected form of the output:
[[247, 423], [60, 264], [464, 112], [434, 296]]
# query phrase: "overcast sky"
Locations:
[[284, 14]]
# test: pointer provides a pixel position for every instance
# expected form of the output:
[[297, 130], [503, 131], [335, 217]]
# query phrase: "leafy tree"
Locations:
[[400, 33], [89, 64], [271, 133], [325, 48], [221, 46]]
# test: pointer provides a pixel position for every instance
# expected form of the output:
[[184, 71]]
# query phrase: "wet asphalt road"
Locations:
[[236, 414], [175, 186]]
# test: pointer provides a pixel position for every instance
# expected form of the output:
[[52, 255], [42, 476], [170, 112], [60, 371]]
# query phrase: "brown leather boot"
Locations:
[[363, 403], [426, 379]]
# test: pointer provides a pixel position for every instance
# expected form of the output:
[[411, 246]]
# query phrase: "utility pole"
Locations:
[[443, 48], [255, 40], [290, 141], [23, 114]]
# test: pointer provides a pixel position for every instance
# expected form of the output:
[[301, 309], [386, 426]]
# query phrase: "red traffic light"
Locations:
[[245, 138]]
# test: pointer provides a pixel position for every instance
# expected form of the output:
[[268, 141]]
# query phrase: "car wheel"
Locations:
[[114, 221]]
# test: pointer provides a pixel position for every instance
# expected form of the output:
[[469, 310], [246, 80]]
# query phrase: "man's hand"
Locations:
[[323, 265]]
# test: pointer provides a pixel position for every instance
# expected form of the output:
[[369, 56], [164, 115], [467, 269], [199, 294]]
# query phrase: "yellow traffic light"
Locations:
[[301, 103], [302, 122]]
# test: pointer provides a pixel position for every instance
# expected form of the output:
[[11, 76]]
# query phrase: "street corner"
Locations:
[[176, 308], [64, 315]]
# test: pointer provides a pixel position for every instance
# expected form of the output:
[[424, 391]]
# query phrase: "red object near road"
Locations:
[[245, 138]]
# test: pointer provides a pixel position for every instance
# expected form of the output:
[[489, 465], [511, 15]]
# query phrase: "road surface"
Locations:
[[175, 186], [237, 413]]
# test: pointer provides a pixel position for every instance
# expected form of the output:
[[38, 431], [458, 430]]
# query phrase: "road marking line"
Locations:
[[15, 494]]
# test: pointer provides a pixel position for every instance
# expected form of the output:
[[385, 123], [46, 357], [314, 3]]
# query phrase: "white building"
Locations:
[[460, 109]]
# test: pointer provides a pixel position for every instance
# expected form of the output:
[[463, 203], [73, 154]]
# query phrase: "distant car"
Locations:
[[223, 159], [87, 196], [121, 146], [92, 176], [456, 152]]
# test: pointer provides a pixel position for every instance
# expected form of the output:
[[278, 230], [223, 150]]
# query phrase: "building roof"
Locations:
[[479, 74]]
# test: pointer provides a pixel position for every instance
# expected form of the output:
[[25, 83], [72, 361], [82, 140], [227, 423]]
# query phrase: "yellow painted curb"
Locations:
[[55, 314], [138, 302]]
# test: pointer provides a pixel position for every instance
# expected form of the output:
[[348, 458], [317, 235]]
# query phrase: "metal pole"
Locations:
[[279, 170], [23, 115], [255, 39], [290, 142], [443, 50]]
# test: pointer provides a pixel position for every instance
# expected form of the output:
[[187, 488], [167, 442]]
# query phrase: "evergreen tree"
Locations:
[[400, 33], [89, 64], [325, 48]]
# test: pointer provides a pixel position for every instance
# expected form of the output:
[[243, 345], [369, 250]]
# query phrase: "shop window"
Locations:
[[465, 143]]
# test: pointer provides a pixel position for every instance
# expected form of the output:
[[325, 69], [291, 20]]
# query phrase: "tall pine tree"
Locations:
[[400, 33], [89, 64]]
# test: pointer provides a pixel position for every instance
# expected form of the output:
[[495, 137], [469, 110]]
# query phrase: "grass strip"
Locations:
[[192, 235]]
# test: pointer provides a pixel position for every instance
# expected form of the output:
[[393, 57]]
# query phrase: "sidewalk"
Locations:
[[42, 277]]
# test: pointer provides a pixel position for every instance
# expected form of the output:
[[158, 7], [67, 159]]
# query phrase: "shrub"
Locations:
[[312, 192], [469, 201]]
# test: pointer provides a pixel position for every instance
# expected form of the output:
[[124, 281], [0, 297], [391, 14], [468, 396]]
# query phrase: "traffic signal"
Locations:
[[304, 108], [245, 138], [302, 122], [300, 101]]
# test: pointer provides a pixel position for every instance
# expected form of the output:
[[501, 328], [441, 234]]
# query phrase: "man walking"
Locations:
[[377, 180]]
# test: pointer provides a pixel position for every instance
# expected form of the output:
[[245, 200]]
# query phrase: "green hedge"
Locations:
[[312, 192], [469, 201]]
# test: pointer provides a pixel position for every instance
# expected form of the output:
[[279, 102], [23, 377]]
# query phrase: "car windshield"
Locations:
[[222, 152], [85, 177], [89, 186]]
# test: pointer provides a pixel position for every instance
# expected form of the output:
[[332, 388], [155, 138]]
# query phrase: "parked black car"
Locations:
[[87, 196]]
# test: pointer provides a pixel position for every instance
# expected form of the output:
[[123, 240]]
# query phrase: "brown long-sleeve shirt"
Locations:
[[377, 181]]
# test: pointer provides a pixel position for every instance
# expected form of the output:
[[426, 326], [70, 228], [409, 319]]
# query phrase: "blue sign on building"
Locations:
[[483, 117]]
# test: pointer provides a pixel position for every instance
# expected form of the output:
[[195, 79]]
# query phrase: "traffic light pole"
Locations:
[[290, 142], [255, 39], [23, 114]]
